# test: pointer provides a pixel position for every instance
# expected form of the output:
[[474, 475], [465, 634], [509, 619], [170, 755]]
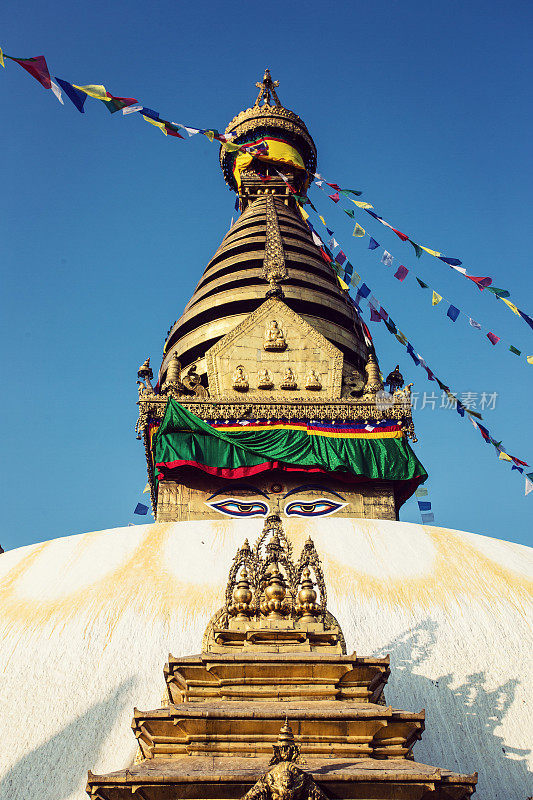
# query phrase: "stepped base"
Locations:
[[230, 779]]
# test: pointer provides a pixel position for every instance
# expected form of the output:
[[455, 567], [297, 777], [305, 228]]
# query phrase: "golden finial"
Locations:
[[267, 90]]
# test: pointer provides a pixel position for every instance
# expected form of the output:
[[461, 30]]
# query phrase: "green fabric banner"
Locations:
[[183, 439]]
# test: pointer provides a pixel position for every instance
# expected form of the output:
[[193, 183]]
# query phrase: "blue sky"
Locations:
[[106, 225]]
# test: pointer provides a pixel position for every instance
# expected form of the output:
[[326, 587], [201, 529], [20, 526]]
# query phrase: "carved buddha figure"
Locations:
[[240, 380], [312, 381], [274, 338], [264, 379], [289, 381]]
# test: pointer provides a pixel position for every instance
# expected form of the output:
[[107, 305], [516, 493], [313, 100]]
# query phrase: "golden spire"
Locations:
[[267, 90]]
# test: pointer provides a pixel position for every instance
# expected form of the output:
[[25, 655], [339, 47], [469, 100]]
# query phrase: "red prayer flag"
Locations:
[[481, 283], [401, 273], [517, 461], [325, 256], [402, 236], [37, 67], [334, 186], [335, 197], [493, 338]]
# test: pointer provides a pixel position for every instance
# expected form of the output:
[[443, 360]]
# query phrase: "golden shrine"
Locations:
[[273, 707]]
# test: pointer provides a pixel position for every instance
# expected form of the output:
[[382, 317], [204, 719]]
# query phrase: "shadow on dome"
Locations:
[[470, 711], [57, 769]]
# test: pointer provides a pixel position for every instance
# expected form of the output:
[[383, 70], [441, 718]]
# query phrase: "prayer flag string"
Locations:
[[402, 272], [365, 292], [482, 283]]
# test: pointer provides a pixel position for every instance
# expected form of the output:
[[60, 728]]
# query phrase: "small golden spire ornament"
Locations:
[[286, 748], [267, 90]]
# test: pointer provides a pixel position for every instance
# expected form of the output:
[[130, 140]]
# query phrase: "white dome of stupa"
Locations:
[[88, 621]]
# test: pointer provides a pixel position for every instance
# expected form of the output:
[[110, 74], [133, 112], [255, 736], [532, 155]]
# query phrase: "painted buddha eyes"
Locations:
[[313, 508], [233, 507], [237, 508]]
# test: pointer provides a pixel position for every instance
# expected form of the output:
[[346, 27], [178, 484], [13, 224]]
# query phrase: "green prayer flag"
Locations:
[[422, 284], [515, 351], [347, 192], [349, 212], [418, 249], [498, 292]]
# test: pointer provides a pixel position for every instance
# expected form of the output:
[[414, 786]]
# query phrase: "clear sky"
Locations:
[[106, 225]]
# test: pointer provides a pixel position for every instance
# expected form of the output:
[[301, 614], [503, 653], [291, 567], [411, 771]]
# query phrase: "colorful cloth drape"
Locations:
[[278, 152], [354, 451]]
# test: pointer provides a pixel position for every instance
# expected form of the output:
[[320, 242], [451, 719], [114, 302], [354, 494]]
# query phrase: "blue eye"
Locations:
[[238, 508], [313, 508]]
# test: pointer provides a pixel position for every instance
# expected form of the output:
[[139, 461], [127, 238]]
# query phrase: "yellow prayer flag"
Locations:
[[504, 457], [322, 220], [401, 338], [342, 284], [146, 488], [160, 125], [302, 211], [431, 252], [529, 359], [355, 279], [358, 230], [210, 135], [360, 203], [231, 148], [94, 90], [2, 58], [436, 298], [512, 306]]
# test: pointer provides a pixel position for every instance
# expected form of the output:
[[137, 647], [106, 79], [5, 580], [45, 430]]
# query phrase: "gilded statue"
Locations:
[[285, 781], [240, 379], [312, 381], [264, 379], [289, 381], [274, 338], [193, 382]]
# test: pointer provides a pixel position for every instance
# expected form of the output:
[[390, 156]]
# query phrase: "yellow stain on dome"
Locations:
[[460, 571], [142, 583]]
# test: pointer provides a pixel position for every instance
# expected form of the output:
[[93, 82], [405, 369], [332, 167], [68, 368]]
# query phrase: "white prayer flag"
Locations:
[[57, 91], [190, 131], [131, 109], [529, 487], [317, 240], [319, 184], [474, 324], [387, 258]]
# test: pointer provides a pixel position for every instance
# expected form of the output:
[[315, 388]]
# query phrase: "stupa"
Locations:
[[270, 394], [267, 433]]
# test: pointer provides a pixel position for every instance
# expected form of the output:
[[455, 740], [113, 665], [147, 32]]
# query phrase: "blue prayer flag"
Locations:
[[453, 262], [73, 94], [372, 244], [412, 353], [460, 408], [526, 318], [348, 269], [363, 290], [147, 112], [427, 518], [520, 469], [424, 505], [140, 508], [453, 313]]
